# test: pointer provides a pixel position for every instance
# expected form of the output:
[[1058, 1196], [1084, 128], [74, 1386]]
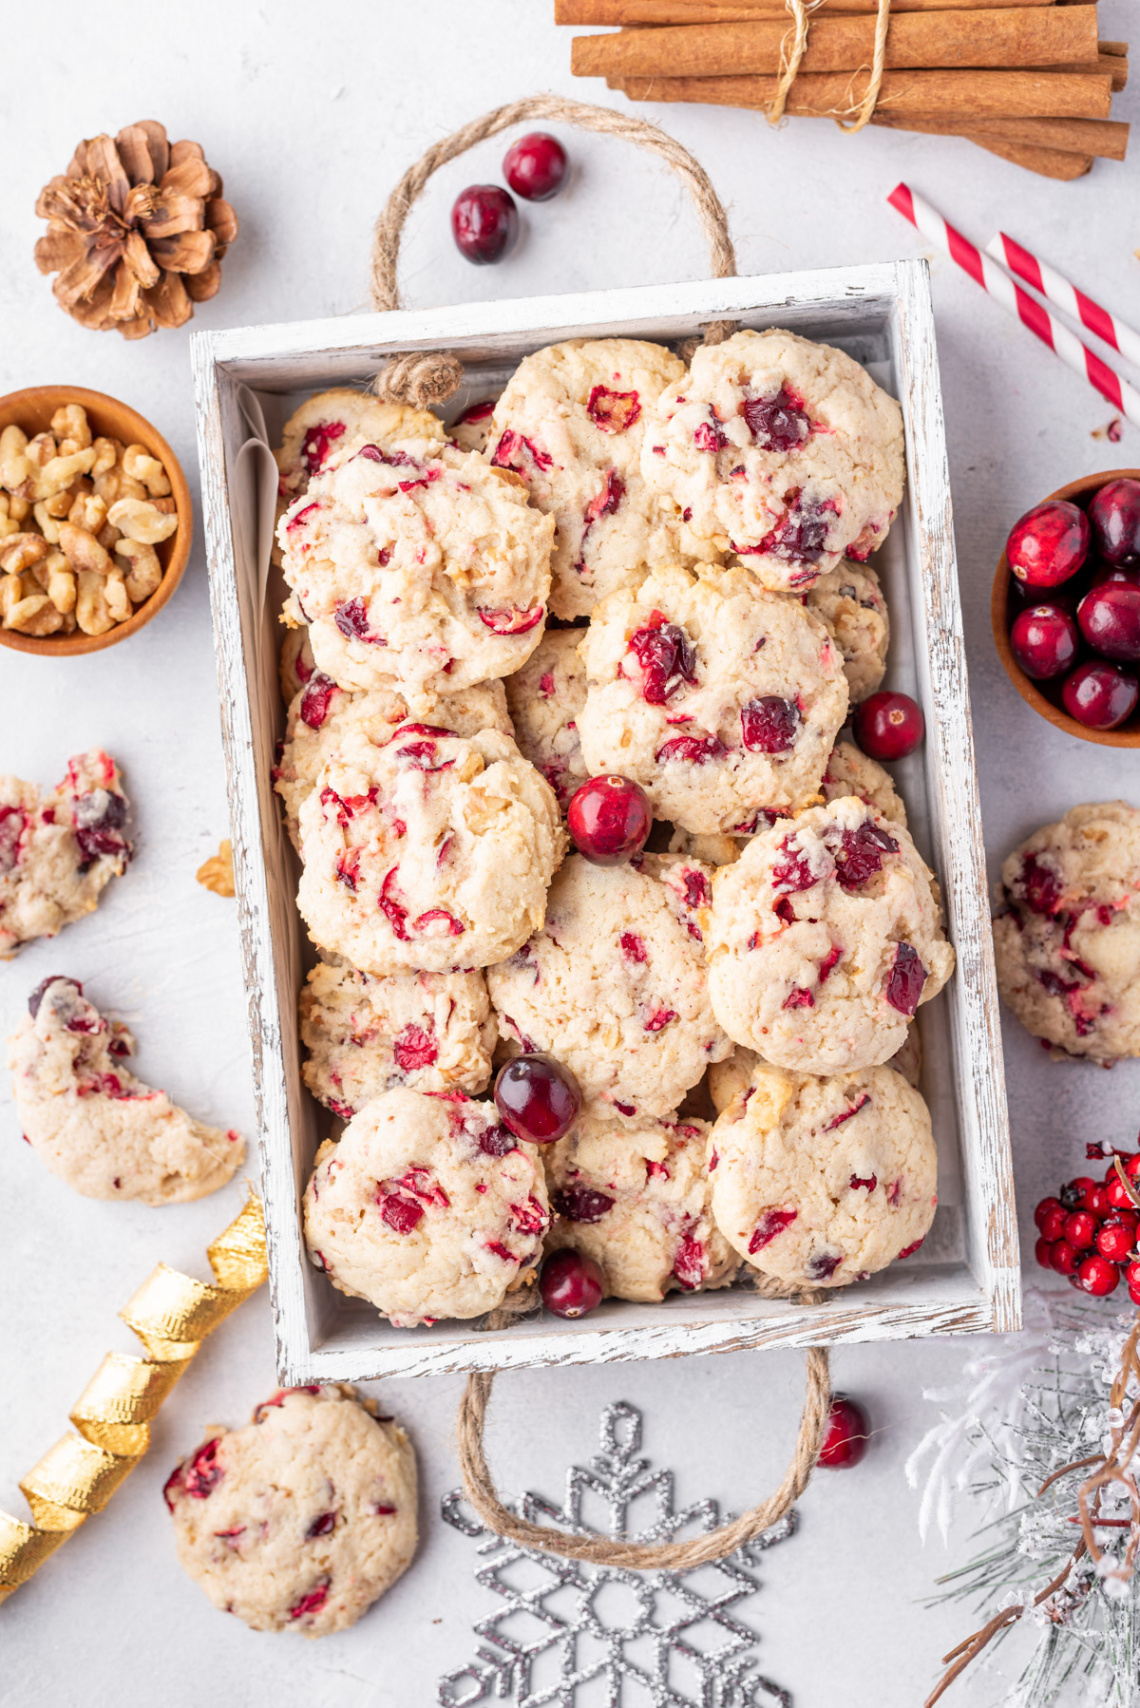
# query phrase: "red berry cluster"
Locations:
[[1088, 1232]]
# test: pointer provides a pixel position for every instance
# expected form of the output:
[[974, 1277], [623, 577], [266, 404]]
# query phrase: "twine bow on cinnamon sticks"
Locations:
[[1029, 80]]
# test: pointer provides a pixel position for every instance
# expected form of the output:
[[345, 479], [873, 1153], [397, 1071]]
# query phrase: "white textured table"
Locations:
[[310, 130]]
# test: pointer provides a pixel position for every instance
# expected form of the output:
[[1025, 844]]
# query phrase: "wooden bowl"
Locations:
[[1045, 697], [32, 409]]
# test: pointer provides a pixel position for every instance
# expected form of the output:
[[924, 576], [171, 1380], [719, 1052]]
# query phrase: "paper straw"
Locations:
[[1055, 288], [1010, 295]]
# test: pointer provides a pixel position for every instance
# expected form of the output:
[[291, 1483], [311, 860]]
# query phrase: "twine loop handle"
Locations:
[[643, 1556], [792, 50], [428, 377]]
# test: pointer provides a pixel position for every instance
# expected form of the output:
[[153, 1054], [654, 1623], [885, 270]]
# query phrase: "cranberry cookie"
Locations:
[[615, 984], [427, 1208], [572, 423], [418, 568], [58, 853], [783, 451], [719, 699], [635, 1196], [433, 855], [92, 1122], [326, 722], [850, 772], [304, 1518], [1067, 935], [430, 1031], [849, 602], [824, 937], [818, 1182], [333, 425], [546, 698]]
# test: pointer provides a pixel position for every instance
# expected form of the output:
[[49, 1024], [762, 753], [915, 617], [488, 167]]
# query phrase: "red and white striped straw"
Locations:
[[1055, 288], [1009, 293]]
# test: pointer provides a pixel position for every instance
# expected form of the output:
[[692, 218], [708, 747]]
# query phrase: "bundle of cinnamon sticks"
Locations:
[[1031, 82]]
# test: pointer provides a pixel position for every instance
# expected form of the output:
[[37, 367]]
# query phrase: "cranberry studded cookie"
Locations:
[[783, 451], [545, 699], [818, 1182], [824, 937], [427, 1208], [304, 1518], [850, 772], [364, 1035], [1067, 935], [333, 425], [418, 568], [92, 1122], [326, 722], [849, 602], [615, 985], [635, 1196], [572, 423], [58, 853], [471, 430], [434, 854], [721, 700]]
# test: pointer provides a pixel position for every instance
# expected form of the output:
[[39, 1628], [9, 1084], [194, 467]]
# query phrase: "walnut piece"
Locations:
[[217, 873]]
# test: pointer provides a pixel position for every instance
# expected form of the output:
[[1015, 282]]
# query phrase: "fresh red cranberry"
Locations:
[[1062, 1257], [1044, 641], [1116, 1241], [1131, 1165], [581, 1204], [1041, 1252], [778, 423], [537, 1098], [1100, 695], [769, 724], [1080, 1229], [1047, 1208], [1096, 1275], [848, 1431], [1109, 617], [609, 819], [1114, 512], [889, 725], [536, 166], [1096, 1202], [571, 1283], [1112, 574], [1132, 1275], [1117, 1195], [484, 223], [1049, 543]]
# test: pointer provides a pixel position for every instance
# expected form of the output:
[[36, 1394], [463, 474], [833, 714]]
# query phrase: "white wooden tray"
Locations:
[[966, 1278]]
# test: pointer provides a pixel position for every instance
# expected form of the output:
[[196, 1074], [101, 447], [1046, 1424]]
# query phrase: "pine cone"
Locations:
[[136, 231]]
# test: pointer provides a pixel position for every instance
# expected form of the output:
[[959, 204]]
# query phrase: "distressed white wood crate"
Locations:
[[966, 1279]]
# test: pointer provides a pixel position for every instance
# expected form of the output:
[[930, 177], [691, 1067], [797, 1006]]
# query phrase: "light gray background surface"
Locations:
[[311, 114]]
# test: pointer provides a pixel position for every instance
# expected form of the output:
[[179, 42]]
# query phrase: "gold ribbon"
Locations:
[[171, 1314]]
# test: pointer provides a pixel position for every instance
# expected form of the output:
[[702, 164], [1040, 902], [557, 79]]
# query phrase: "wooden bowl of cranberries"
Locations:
[[1066, 608]]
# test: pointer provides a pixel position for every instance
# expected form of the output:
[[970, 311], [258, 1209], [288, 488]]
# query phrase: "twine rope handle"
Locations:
[[794, 46], [424, 378], [643, 1556]]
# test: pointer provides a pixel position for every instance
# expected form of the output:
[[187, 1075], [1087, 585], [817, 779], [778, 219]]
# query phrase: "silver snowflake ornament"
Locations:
[[563, 1626]]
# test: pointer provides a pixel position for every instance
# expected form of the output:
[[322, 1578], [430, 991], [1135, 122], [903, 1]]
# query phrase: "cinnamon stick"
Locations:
[[922, 94], [1116, 67], [1047, 162], [1008, 37], [1106, 139], [743, 11]]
